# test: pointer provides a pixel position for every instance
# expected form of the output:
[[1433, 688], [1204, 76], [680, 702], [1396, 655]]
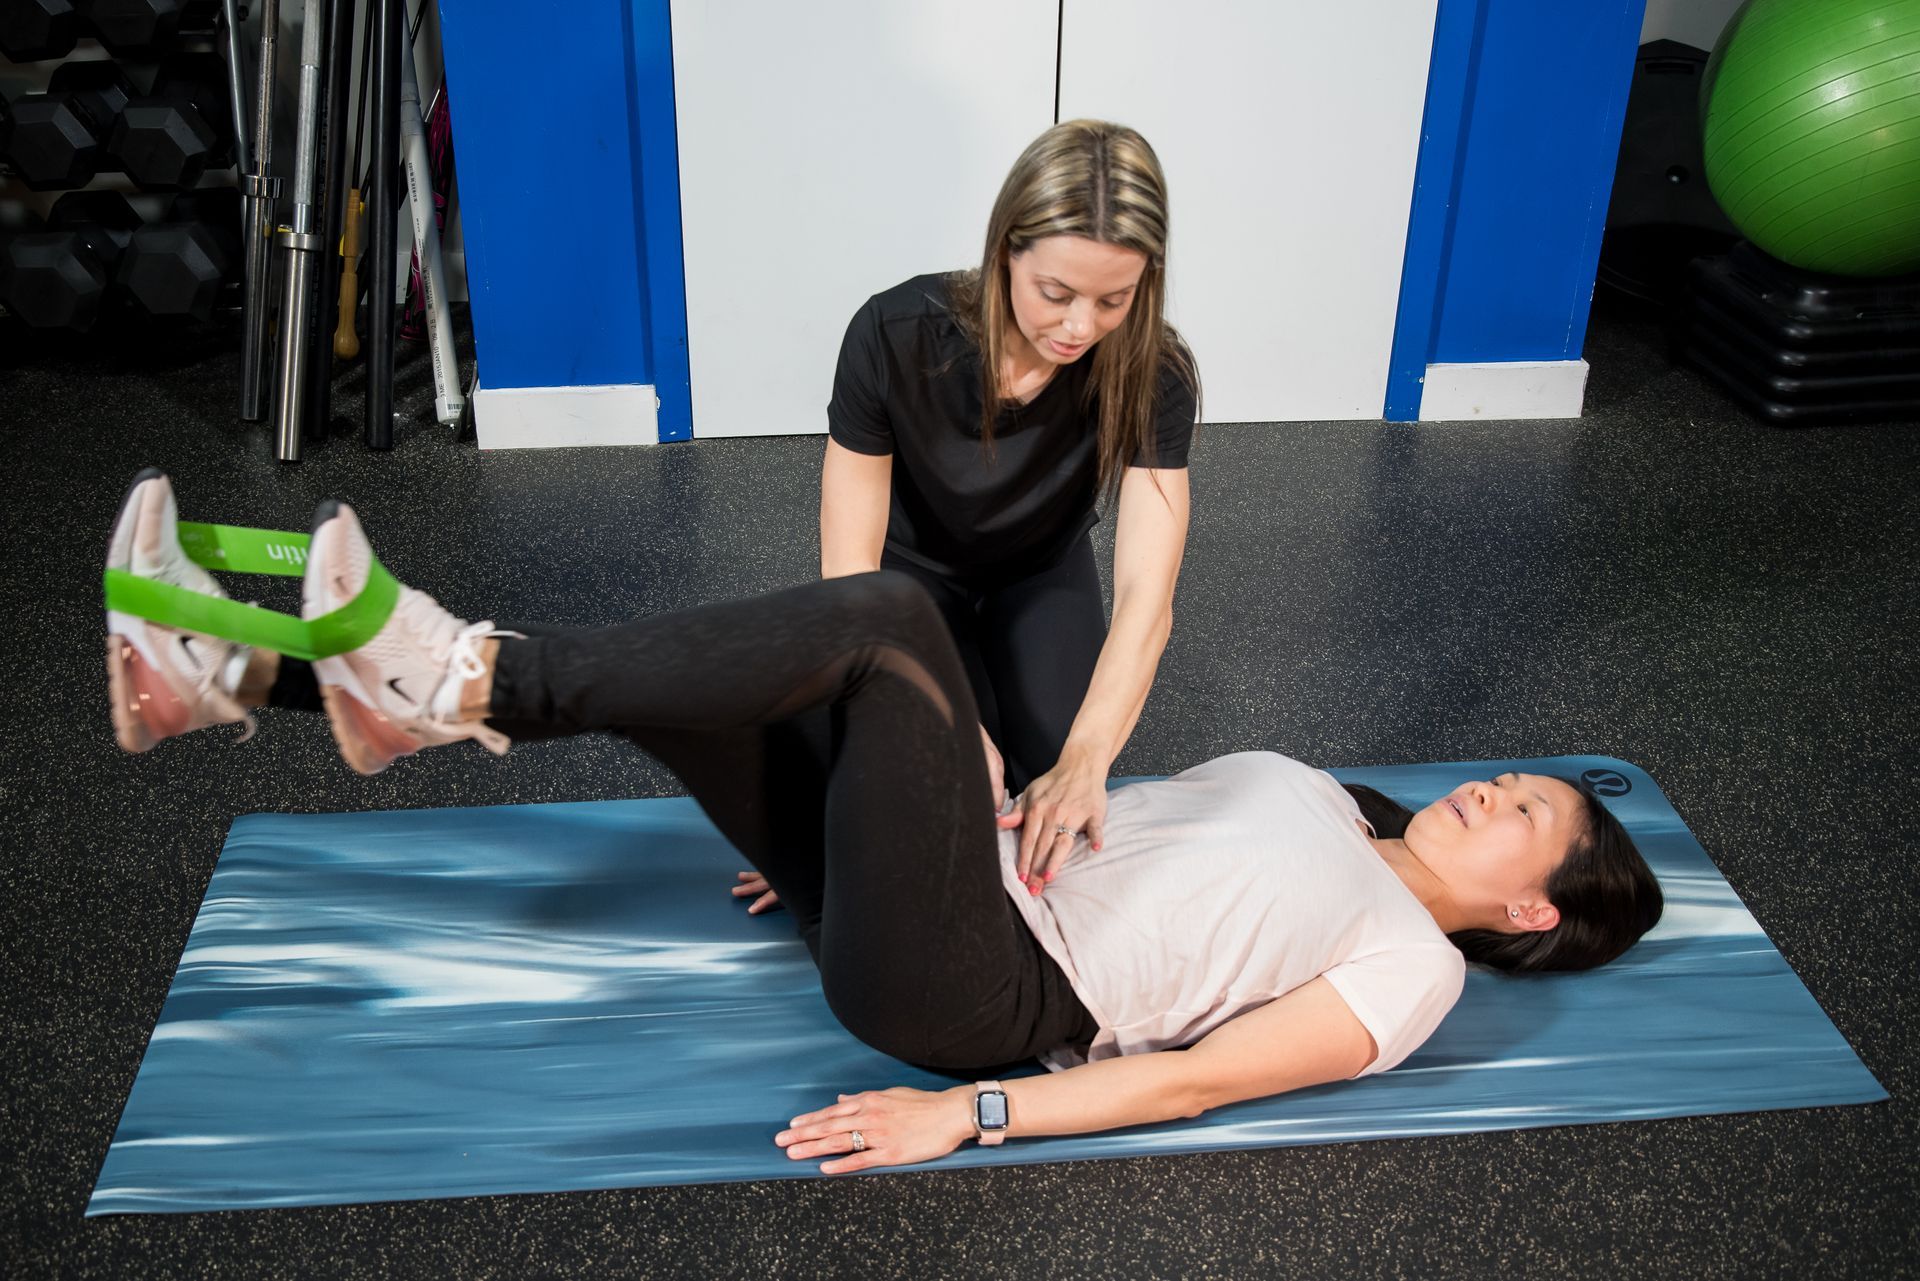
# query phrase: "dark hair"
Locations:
[[1606, 893]]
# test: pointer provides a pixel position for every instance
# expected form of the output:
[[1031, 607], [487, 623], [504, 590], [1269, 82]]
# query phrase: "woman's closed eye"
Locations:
[[1061, 300]]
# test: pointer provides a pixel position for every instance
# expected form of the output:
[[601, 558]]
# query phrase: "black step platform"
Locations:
[[1799, 348]]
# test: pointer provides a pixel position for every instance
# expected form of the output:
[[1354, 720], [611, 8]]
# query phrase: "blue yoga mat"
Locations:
[[539, 998]]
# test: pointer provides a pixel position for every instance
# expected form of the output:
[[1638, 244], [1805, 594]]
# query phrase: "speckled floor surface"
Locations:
[[1732, 607]]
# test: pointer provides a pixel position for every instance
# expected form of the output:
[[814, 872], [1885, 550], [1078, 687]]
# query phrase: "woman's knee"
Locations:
[[895, 612], [890, 599]]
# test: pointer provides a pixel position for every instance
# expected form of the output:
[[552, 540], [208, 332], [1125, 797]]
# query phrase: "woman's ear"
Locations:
[[1532, 917]]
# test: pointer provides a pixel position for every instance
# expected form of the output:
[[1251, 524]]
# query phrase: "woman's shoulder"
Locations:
[[1177, 360], [1177, 388], [912, 322], [914, 298]]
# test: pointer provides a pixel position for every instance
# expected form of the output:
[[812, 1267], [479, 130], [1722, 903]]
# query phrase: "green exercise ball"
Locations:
[[1811, 117]]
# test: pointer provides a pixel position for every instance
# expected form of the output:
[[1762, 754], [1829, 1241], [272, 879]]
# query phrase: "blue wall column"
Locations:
[[1525, 103], [570, 196], [656, 196]]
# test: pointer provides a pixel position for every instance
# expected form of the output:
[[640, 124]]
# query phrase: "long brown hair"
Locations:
[[1098, 181]]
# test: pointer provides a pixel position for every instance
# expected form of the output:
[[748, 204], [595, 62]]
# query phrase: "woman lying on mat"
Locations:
[[1242, 911]]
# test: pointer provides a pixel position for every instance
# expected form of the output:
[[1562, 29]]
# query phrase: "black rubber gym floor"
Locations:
[[1732, 607]]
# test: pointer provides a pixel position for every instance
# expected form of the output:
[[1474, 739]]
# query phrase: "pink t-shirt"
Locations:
[[1225, 887]]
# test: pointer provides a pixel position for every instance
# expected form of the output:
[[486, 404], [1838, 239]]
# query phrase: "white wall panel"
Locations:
[[1289, 133], [1695, 22], [830, 150]]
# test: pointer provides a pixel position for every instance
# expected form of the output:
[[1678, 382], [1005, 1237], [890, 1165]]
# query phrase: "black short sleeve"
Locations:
[[857, 415], [1173, 414], [908, 387]]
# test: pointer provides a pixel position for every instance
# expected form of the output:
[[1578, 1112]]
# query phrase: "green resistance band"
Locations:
[[255, 551]]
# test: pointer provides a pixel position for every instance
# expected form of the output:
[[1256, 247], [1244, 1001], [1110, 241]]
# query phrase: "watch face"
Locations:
[[991, 1110]]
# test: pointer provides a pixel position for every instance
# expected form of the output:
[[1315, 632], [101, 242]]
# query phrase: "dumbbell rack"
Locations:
[[164, 132], [98, 265]]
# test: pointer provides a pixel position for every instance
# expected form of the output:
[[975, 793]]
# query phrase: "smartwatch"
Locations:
[[989, 1113]]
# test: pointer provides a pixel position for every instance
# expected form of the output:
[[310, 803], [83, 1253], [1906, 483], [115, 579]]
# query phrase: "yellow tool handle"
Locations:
[[346, 339]]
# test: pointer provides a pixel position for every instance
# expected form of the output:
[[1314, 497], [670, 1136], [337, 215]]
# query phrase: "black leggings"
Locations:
[[1029, 646], [829, 732]]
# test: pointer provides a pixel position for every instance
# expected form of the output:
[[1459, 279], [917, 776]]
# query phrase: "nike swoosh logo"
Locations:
[[186, 643], [393, 683]]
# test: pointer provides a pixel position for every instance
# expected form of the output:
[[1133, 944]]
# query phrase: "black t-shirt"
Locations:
[[908, 384]]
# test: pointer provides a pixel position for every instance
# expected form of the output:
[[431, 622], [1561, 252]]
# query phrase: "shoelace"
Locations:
[[463, 656], [447, 639]]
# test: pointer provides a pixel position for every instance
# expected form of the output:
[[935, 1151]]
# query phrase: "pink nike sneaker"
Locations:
[[163, 681], [381, 697]]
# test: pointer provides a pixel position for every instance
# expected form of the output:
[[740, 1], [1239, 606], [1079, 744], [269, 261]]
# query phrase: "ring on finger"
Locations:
[[859, 1141], [1064, 830]]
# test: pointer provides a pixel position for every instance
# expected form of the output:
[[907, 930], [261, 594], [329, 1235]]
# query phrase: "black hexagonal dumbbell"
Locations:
[[56, 140], [177, 265], [58, 278], [200, 80], [167, 139], [35, 30]]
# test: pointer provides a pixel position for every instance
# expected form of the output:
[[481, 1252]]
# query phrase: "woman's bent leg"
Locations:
[[887, 849], [921, 952], [959, 606]]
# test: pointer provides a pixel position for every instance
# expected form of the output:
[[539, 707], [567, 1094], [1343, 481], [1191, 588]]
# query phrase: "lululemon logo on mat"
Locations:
[[1607, 782], [290, 554]]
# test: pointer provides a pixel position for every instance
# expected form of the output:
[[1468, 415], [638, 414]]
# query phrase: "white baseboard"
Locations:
[[566, 417], [1504, 389]]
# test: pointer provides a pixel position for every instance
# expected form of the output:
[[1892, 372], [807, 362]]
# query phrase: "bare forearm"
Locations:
[[1122, 677], [1149, 541], [1307, 1037], [1108, 1095]]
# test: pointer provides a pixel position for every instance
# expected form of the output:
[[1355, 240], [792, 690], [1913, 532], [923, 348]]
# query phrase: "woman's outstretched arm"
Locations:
[[1150, 537], [1308, 1037]]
